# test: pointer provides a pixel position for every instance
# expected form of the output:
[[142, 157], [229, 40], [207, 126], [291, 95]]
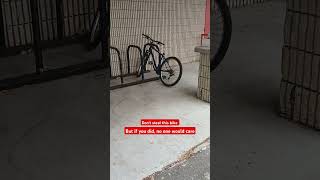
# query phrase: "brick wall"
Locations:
[[177, 23], [300, 86], [203, 92]]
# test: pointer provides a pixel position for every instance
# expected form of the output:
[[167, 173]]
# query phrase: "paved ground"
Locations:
[[196, 166], [251, 142], [68, 138], [67, 119], [135, 157]]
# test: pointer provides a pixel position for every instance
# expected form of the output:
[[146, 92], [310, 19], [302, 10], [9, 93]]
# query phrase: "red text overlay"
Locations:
[[160, 122], [160, 130]]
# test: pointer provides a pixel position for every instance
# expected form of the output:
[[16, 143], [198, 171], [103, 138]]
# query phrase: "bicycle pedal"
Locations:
[[150, 63]]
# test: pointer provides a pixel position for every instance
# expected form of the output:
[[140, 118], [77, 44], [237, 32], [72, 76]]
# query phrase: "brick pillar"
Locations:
[[300, 85], [204, 73]]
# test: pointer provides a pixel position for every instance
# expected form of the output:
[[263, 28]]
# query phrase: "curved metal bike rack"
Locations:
[[120, 62], [128, 57], [143, 80]]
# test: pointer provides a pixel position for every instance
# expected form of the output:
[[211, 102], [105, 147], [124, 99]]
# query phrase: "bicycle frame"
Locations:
[[148, 52]]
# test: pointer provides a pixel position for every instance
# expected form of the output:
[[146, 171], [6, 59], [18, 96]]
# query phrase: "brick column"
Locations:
[[204, 73], [300, 85]]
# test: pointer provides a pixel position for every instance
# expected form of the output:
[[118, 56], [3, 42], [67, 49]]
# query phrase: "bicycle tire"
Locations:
[[216, 58], [94, 35], [180, 73]]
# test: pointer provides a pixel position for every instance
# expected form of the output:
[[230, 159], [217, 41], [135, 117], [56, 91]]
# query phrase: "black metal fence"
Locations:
[[39, 24], [242, 3], [59, 20]]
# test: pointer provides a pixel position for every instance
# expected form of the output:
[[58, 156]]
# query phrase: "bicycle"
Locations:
[[166, 68]]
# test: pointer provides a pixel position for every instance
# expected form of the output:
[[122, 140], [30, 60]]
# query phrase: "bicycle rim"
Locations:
[[170, 71]]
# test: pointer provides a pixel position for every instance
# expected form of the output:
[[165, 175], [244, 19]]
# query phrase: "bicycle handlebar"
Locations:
[[152, 40]]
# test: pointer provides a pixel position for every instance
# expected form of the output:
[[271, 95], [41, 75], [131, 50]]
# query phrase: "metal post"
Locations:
[[2, 37], [60, 18], [36, 36], [104, 6]]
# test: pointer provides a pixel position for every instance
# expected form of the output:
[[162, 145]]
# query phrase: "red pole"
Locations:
[[207, 18], [206, 21]]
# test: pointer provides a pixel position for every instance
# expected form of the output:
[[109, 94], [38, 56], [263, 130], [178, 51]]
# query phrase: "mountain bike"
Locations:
[[169, 69]]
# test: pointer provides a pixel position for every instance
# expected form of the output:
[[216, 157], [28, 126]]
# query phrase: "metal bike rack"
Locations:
[[129, 73], [120, 63], [128, 58]]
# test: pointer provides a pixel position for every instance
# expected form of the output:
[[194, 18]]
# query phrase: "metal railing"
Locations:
[[60, 22], [39, 24], [243, 3]]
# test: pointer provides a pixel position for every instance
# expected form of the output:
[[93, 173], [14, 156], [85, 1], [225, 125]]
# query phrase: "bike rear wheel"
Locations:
[[220, 33], [170, 71]]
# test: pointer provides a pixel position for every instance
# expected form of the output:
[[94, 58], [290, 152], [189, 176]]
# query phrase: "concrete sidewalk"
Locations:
[[195, 165], [135, 157], [68, 138]]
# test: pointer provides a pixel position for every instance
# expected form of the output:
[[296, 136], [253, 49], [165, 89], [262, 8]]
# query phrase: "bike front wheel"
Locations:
[[170, 71]]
